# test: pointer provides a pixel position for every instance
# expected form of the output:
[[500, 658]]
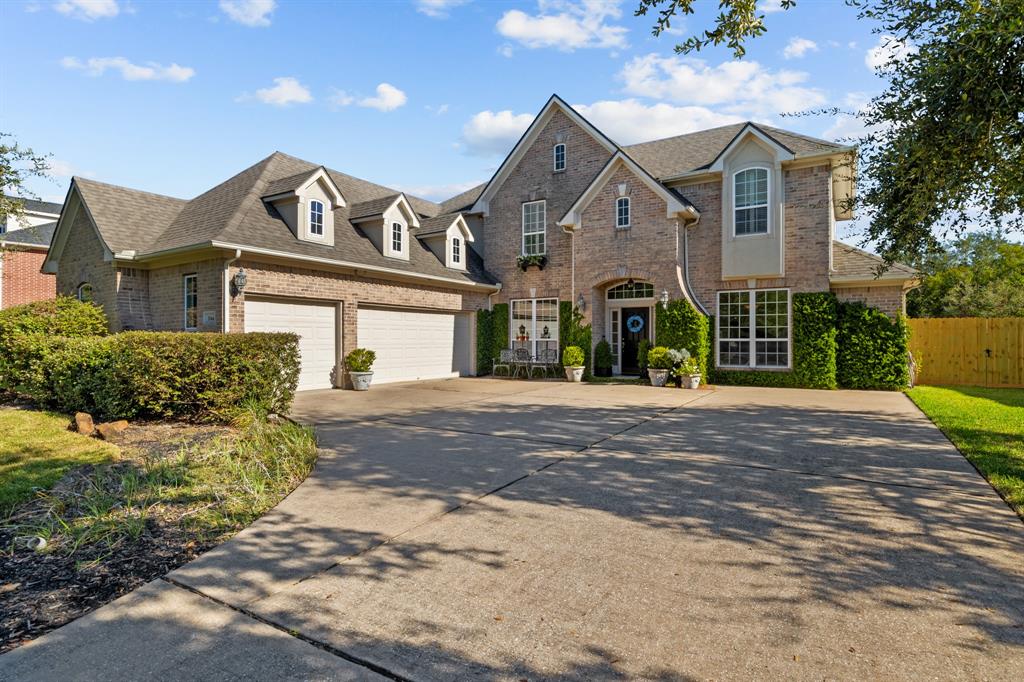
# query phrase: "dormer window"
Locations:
[[456, 251], [396, 237], [558, 154], [316, 218], [750, 200], [622, 212]]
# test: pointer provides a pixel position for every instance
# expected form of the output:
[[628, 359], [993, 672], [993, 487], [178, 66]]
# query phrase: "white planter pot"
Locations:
[[360, 380], [658, 376], [574, 374], [692, 381]]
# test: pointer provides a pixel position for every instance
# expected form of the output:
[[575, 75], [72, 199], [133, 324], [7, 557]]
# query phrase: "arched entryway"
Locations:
[[629, 311]]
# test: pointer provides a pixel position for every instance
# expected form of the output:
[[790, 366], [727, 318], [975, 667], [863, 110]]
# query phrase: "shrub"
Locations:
[[659, 358], [872, 349], [814, 340], [641, 355], [680, 325], [360, 360], [484, 332], [62, 316], [603, 355], [203, 377], [572, 356]]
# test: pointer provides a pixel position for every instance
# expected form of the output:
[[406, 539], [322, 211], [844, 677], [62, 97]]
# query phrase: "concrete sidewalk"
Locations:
[[510, 530]]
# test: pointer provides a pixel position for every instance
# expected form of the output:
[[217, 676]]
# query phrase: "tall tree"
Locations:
[[17, 165], [945, 149]]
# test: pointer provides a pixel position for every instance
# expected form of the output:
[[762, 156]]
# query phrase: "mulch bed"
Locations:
[[40, 591]]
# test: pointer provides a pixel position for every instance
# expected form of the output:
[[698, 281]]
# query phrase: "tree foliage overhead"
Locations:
[[978, 275], [17, 165], [945, 147]]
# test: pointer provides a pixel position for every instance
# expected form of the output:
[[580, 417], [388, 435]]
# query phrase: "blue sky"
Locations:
[[423, 95]]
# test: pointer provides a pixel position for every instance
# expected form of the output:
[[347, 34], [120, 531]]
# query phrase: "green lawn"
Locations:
[[36, 449], [987, 426]]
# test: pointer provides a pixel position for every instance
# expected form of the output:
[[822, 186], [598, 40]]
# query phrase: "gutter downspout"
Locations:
[[683, 266], [227, 290]]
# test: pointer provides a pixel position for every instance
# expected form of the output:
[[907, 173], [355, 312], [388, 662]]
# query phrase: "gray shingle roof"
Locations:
[[38, 206], [695, 151], [35, 235], [464, 200], [288, 184], [851, 262], [438, 224], [128, 219], [365, 209]]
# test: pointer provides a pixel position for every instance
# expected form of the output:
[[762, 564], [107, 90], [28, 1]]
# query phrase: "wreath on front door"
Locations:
[[635, 324]]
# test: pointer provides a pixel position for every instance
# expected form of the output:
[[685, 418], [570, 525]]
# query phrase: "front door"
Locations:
[[634, 330]]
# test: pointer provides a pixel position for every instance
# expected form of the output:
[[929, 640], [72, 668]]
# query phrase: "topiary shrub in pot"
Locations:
[[359, 364], [659, 363], [603, 359], [572, 361]]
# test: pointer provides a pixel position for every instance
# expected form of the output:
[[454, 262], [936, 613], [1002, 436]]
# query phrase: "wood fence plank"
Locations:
[[969, 351]]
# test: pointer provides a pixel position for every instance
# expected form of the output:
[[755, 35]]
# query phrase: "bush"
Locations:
[[203, 377], [572, 332], [572, 356], [680, 325], [814, 340], [872, 349], [603, 359], [484, 331], [62, 316], [659, 358], [360, 360], [642, 349]]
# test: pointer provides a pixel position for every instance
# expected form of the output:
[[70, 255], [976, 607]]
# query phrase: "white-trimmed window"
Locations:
[[534, 324], [457, 251], [535, 228], [84, 292], [396, 237], [754, 329], [191, 301], [316, 218], [622, 212], [558, 157], [750, 201]]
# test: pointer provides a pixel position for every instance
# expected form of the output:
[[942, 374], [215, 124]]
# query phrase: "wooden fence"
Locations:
[[969, 351]]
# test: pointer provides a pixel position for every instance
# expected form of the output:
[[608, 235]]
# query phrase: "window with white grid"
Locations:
[[396, 237], [559, 157], [534, 324], [622, 212], [456, 251], [316, 218], [534, 229], [753, 329], [750, 197]]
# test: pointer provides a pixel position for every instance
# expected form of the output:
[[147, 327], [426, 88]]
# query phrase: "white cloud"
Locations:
[[489, 133], [738, 87], [887, 51], [150, 71], [249, 12], [566, 25], [286, 91], [770, 6], [797, 47], [437, 192], [88, 10], [506, 50], [437, 110], [437, 9], [339, 99], [630, 121], [388, 98]]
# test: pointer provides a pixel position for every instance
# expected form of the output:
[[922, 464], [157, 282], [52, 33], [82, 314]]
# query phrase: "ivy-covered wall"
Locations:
[[814, 340], [872, 349], [572, 332], [491, 336], [680, 325]]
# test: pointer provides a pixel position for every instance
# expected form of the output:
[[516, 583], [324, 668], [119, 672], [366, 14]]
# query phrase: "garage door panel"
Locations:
[[315, 325], [413, 345]]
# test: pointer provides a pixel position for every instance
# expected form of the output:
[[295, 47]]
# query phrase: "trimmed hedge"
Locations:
[[814, 340], [572, 332], [680, 325], [61, 316], [491, 336], [872, 349], [201, 377]]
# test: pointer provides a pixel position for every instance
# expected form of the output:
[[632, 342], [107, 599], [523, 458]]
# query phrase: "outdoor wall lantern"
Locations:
[[664, 298], [581, 303], [239, 280]]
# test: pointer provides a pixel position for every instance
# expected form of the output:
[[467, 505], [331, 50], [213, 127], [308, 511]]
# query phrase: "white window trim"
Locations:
[[767, 205], [534, 337], [459, 264], [309, 219], [543, 230], [629, 213], [554, 157], [184, 301], [391, 238], [78, 290], [752, 365]]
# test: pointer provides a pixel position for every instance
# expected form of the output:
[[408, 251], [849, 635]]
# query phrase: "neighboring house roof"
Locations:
[[673, 156], [850, 264], [35, 235], [35, 206]]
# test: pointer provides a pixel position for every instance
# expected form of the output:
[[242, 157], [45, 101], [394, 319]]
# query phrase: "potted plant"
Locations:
[[359, 364], [572, 361], [525, 262], [679, 357], [603, 359], [658, 365], [688, 373]]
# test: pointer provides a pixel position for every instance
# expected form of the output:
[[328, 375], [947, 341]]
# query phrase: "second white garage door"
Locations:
[[413, 345], [313, 322]]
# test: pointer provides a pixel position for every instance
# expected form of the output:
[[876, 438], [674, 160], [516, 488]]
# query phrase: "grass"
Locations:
[[37, 449], [987, 426]]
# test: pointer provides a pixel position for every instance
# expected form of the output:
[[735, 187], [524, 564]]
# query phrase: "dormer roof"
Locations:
[[439, 225], [369, 210], [292, 185]]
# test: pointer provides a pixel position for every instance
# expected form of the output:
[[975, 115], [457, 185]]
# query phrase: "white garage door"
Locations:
[[413, 345], [313, 322]]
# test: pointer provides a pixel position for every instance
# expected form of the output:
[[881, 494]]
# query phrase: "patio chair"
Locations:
[[505, 359], [520, 360], [547, 360]]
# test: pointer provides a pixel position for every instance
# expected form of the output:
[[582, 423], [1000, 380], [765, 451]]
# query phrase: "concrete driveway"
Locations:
[[498, 529]]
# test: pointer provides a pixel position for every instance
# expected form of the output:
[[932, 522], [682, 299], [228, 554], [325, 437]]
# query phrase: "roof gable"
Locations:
[[751, 131], [555, 103], [295, 184]]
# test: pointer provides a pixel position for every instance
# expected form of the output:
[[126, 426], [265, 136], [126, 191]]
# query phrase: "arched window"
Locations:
[[316, 218], [558, 154], [750, 201], [84, 292], [631, 289], [622, 212]]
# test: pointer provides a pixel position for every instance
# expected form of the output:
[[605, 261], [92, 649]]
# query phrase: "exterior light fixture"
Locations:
[[239, 280], [581, 303], [664, 298]]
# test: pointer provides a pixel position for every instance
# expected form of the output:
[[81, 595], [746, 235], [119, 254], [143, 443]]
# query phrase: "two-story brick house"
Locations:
[[734, 219]]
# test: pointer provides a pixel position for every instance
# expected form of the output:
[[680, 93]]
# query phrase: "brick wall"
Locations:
[[133, 298], [891, 300], [167, 295], [82, 261], [22, 281]]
